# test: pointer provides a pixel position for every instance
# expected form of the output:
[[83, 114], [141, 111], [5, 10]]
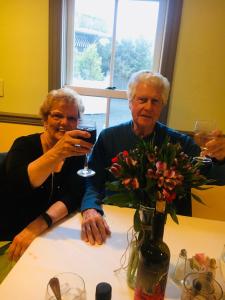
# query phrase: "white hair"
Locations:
[[154, 79], [64, 94]]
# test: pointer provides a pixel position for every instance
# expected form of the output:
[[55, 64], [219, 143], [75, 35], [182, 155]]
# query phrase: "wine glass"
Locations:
[[202, 135], [89, 126]]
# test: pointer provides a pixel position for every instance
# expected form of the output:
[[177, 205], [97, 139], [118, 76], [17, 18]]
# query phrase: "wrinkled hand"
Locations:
[[20, 243], [72, 144], [216, 146], [94, 228]]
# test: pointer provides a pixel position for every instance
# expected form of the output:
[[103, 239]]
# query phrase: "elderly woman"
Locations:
[[41, 184], [147, 95]]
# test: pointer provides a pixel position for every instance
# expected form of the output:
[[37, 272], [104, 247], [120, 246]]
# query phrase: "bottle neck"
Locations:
[[158, 226], [147, 223], [153, 226]]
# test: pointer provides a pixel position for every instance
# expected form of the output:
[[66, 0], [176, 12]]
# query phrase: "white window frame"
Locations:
[[164, 56], [107, 92]]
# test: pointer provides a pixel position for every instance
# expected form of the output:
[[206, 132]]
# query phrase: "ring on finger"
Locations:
[[77, 145]]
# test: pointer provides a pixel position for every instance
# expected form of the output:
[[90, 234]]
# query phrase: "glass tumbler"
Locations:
[[72, 287], [201, 286]]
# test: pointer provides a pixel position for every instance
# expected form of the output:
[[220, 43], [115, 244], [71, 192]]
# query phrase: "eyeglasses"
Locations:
[[57, 116], [144, 100]]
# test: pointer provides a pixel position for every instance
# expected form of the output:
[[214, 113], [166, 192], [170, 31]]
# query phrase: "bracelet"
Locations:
[[47, 219]]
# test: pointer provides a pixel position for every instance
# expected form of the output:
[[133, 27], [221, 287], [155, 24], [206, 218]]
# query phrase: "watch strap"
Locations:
[[47, 219]]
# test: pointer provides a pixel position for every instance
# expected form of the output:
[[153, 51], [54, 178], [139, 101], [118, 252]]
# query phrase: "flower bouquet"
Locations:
[[148, 173], [149, 176]]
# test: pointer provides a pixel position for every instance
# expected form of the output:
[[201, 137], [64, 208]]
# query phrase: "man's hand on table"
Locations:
[[94, 228]]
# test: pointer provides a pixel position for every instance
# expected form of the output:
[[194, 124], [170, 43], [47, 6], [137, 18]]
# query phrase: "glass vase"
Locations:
[[154, 257], [132, 264], [135, 246]]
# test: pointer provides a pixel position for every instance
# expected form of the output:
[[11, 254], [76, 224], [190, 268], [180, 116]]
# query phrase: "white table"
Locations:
[[60, 249]]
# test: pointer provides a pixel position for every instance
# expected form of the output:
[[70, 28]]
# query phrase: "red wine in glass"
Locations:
[[90, 127], [92, 131]]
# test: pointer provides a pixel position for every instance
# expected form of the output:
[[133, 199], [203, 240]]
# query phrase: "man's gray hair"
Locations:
[[154, 79]]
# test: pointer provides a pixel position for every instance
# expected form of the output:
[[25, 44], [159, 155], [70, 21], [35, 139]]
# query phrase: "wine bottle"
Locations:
[[154, 258]]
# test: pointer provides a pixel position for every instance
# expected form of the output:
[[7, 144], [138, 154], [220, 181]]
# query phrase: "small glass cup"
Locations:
[[201, 286], [72, 287]]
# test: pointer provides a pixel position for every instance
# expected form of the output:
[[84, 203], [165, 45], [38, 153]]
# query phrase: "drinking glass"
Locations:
[[201, 286], [202, 135], [89, 126], [72, 287]]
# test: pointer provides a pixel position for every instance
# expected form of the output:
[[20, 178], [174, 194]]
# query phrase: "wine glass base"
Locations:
[[86, 172], [203, 159]]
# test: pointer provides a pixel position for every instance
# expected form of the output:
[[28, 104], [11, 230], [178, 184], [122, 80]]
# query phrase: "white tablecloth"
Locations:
[[61, 250]]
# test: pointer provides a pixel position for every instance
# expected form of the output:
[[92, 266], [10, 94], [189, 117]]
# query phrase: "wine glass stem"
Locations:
[[86, 162]]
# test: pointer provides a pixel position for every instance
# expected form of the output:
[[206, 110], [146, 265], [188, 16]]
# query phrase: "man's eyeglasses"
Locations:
[[59, 117]]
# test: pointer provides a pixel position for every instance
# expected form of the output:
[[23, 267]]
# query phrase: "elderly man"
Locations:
[[147, 94]]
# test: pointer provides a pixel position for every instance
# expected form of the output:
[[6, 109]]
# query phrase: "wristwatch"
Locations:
[[47, 219]]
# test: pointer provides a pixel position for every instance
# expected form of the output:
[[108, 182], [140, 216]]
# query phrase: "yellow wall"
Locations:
[[213, 199], [199, 79], [8, 133], [23, 54]]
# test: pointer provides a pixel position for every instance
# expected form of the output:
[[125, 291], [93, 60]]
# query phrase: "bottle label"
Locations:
[[151, 284]]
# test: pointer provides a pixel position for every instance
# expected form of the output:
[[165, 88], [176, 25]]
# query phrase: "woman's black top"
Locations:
[[20, 202]]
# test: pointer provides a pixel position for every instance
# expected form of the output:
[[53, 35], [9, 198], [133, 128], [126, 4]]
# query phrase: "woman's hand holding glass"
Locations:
[[73, 143], [90, 127]]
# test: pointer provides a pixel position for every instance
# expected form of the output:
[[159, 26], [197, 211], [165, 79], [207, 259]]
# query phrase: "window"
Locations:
[[101, 48]]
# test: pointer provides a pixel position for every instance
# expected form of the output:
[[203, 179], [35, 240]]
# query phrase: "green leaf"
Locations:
[[4, 246], [197, 198], [173, 215], [137, 222], [113, 186], [201, 188], [120, 199]]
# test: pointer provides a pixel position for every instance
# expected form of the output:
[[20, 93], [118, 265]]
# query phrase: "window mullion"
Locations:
[[69, 33], [112, 61], [160, 32]]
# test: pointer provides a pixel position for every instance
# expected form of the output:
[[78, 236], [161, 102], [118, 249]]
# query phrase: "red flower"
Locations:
[[115, 159], [161, 166], [131, 183], [126, 182], [116, 169], [151, 157], [160, 181], [169, 197], [125, 153], [170, 184], [135, 183], [130, 162], [151, 174]]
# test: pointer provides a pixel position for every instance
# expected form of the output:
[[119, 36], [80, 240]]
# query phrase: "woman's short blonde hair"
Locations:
[[64, 94], [151, 78]]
